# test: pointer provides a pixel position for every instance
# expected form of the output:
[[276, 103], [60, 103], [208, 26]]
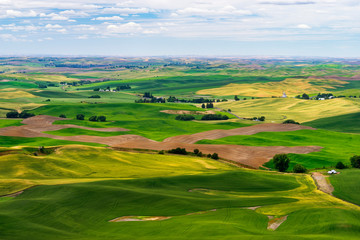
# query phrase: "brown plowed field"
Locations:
[[246, 155]]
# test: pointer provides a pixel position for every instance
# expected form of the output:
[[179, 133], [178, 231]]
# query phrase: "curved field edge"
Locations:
[[336, 146], [72, 211], [347, 185], [21, 167], [344, 123]]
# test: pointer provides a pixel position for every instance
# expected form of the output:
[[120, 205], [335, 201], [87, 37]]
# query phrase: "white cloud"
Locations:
[[54, 16], [130, 27], [15, 13], [125, 11], [113, 18], [53, 26], [224, 11], [303, 26], [72, 13]]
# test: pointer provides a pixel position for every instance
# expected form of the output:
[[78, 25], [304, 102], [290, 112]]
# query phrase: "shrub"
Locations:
[[178, 150], [209, 155], [185, 117], [215, 156], [93, 118], [102, 118], [62, 116], [161, 152], [95, 96], [355, 161], [200, 154], [196, 151], [281, 162], [12, 114], [298, 168], [340, 165], [80, 117], [214, 117], [290, 121]]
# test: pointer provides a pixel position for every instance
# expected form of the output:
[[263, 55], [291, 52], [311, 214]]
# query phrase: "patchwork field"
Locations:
[[64, 178]]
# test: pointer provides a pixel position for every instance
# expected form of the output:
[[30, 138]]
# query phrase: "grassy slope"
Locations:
[[337, 146], [292, 86], [141, 119], [39, 141], [343, 123], [347, 185], [10, 122], [84, 162], [181, 85], [78, 131], [82, 210], [278, 109]]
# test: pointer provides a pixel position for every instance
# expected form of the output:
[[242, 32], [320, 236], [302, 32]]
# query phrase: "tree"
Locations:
[[355, 161], [236, 98], [26, 114], [298, 168], [281, 162], [62, 116], [340, 165], [215, 156], [290, 121], [80, 117], [102, 118], [305, 96], [93, 118], [196, 151], [203, 105], [12, 114]]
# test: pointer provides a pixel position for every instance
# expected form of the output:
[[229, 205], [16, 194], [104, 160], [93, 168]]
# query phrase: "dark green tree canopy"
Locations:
[[281, 162]]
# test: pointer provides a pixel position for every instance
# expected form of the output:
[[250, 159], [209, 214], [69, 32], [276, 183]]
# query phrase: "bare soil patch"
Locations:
[[274, 223], [245, 155], [322, 183]]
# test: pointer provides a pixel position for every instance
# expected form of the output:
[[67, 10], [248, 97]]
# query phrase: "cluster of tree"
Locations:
[[184, 117], [236, 98], [123, 87], [95, 96], [117, 88], [42, 85], [354, 161], [282, 161], [290, 121], [262, 118], [304, 96], [62, 115], [208, 105], [214, 117], [149, 98], [97, 118], [23, 114], [181, 151], [194, 100]]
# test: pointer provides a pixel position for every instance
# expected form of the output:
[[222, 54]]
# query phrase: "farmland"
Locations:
[[66, 174]]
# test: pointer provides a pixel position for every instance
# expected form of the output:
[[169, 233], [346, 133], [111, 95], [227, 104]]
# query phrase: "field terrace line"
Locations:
[[251, 156]]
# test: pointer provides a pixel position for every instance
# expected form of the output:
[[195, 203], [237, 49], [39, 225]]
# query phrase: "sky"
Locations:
[[328, 28]]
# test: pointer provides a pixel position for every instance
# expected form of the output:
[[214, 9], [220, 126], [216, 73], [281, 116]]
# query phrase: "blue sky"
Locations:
[[187, 27]]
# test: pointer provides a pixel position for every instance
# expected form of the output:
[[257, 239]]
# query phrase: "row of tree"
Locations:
[[92, 118], [282, 162], [196, 152], [16, 114]]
